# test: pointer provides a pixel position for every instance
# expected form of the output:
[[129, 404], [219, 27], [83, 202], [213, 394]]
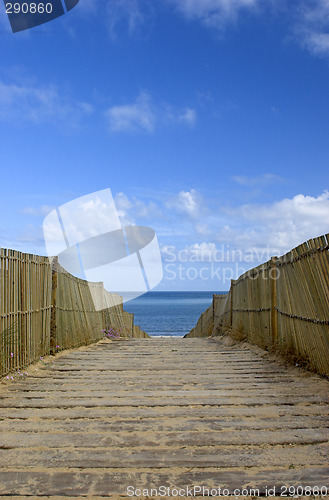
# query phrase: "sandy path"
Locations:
[[164, 412]]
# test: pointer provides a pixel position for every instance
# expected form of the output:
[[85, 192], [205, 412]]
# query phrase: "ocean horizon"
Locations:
[[166, 313]]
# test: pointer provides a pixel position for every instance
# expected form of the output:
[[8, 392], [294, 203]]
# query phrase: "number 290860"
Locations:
[[32, 8]]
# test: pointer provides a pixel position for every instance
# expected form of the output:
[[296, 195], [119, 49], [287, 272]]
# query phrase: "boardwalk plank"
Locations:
[[65, 483], [115, 423]]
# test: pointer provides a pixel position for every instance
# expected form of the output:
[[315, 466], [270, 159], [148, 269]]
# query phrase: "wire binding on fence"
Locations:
[[308, 253], [252, 274], [31, 311], [87, 311], [261, 309], [310, 320]]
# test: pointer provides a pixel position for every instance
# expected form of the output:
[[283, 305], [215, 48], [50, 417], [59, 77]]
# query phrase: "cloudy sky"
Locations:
[[207, 119]]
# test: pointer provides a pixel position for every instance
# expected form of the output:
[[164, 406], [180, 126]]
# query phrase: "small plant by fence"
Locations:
[[282, 305], [44, 309]]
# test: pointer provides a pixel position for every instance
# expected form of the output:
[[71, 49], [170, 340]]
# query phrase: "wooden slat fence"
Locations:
[[44, 309], [25, 309], [280, 305]]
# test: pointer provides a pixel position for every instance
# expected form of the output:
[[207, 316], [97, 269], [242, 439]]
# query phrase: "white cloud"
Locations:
[[145, 210], [186, 202], [87, 7], [258, 229], [134, 209], [276, 227], [252, 228], [188, 116], [128, 14], [122, 202], [317, 43], [313, 26], [202, 229], [138, 116], [246, 236], [86, 107], [283, 224], [300, 206], [213, 12], [24, 238], [309, 19], [260, 180], [144, 116], [84, 217], [123, 206], [135, 17], [202, 251], [39, 104], [37, 211]]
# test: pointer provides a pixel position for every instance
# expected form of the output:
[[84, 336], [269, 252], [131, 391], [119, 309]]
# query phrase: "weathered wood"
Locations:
[[274, 319], [162, 423], [182, 412], [103, 483], [167, 440], [281, 305], [53, 317]]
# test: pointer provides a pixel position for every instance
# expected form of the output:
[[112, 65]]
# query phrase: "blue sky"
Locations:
[[208, 120]]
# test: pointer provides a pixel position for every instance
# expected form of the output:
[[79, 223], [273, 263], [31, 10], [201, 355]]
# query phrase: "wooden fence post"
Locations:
[[231, 313], [274, 317], [23, 328], [53, 316]]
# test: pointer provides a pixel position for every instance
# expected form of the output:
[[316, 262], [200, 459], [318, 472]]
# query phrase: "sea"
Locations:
[[169, 313]]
